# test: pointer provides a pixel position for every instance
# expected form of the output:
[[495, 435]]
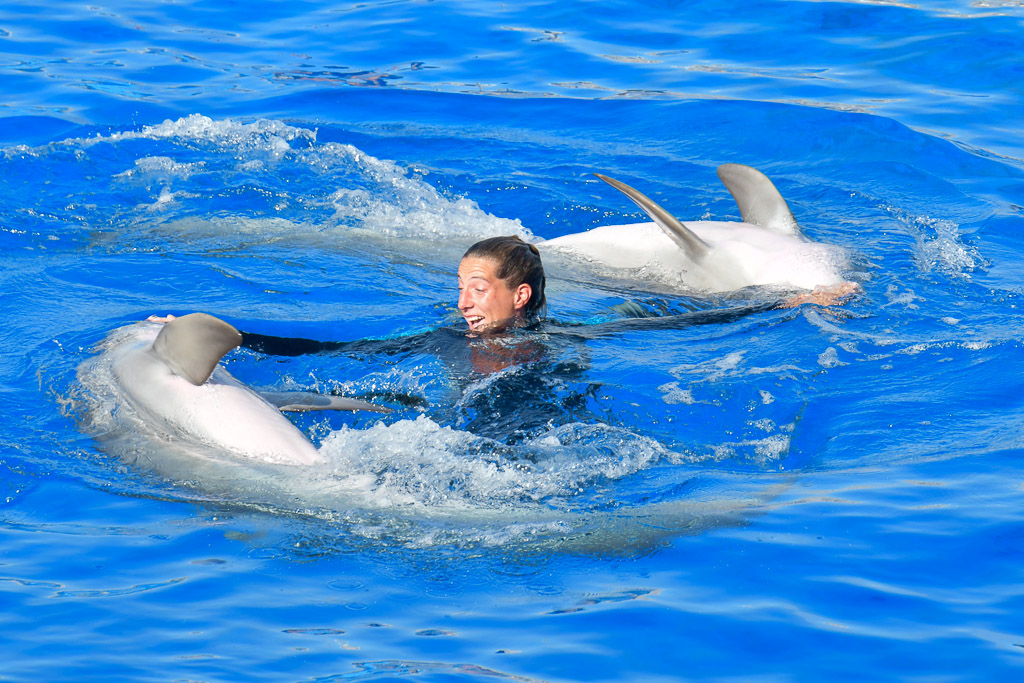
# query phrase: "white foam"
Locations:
[[288, 164], [717, 368], [161, 165], [422, 464], [766, 451], [939, 245], [671, 392], [829, 358], [272, 136]]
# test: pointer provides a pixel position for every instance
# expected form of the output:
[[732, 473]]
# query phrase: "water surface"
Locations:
[[791, 494]]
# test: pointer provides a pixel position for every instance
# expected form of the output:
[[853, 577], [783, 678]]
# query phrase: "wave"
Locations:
[[196, 178]]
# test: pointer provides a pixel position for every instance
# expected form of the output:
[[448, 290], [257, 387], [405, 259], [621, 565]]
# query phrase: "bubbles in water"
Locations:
[[673, 393], [420, 463], [162, 166], [939, 246], [829, 358]]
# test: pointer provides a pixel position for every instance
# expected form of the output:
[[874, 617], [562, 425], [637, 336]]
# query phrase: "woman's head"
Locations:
[[501, 282]]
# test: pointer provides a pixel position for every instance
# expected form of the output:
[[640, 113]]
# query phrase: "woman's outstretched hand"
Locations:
[[825, 296]]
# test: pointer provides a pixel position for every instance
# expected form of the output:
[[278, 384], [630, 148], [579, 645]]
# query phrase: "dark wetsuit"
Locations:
[[297, 346], [510, 386]]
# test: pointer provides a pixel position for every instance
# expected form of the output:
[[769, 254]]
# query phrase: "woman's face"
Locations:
[[486, 302]]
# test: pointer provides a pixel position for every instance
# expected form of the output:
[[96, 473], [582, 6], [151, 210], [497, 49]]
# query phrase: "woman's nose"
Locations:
[[463, 299]]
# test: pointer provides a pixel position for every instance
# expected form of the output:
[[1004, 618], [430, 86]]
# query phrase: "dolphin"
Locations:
[[766, 249], [175, 381]]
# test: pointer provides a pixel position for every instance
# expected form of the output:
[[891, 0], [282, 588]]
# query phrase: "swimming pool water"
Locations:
[[793, 494]]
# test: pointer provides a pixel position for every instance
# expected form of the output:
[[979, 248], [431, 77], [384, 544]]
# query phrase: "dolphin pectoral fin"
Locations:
[[192, 345], [695, 247], [760, 202], [303, 401]]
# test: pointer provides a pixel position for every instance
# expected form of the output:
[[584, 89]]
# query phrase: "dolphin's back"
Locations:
[[221, 413], [695, 248], [766, 249]]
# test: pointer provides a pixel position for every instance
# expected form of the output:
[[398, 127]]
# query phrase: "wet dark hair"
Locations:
[[518, 262]]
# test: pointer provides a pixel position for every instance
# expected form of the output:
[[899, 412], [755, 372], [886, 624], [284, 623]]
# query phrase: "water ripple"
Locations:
[[116, 592]]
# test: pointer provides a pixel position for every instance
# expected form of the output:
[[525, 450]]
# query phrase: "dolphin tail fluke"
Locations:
[[759, 201], [303, 401], [695, 247], [192, 345]]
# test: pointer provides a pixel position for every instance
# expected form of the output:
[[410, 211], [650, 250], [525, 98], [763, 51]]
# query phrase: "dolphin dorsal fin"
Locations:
[[759, 201], [695, 247], [192, 345]]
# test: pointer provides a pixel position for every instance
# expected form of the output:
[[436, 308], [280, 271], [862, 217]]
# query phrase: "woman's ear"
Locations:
[[521, 296]]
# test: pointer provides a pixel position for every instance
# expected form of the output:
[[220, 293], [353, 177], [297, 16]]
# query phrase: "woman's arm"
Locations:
[[273, 346], [288, 346]]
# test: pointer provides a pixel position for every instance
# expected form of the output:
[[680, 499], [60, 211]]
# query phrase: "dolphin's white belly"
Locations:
[[222, 412], [741, 255]]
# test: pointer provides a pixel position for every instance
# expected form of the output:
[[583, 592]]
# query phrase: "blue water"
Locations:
[[803, 494]]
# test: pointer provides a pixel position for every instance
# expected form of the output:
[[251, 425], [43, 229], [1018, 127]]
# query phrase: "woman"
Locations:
[[501, 285]]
